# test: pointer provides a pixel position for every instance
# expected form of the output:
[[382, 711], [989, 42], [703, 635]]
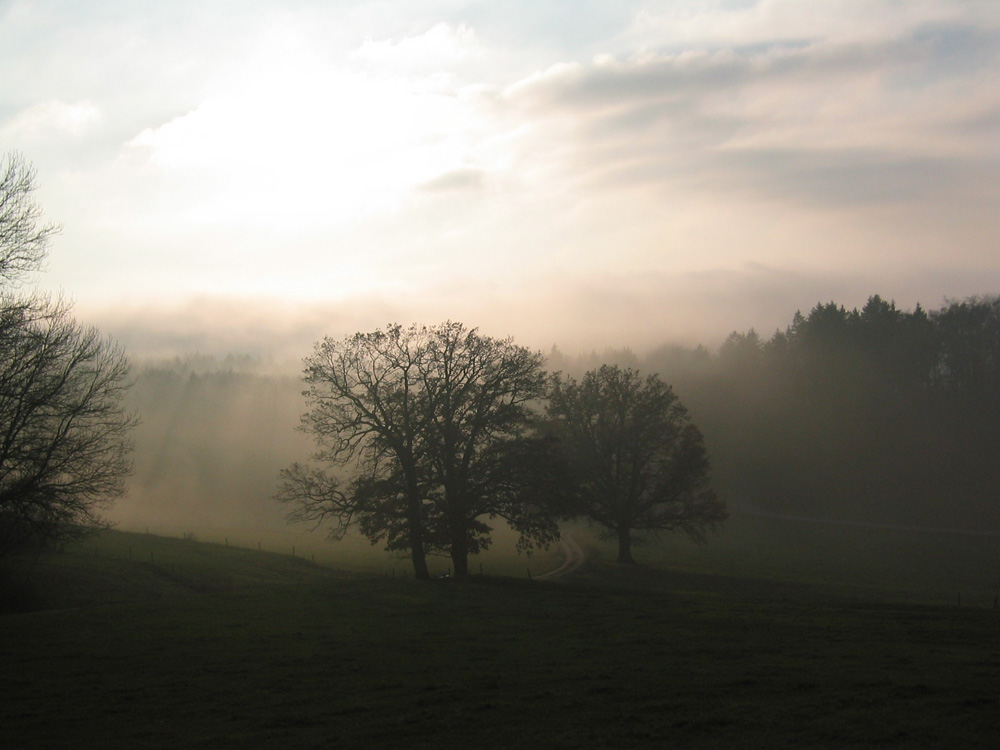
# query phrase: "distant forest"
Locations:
[[876, 415]]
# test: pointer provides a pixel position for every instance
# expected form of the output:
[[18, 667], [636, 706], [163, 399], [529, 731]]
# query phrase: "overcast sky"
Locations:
[[250, 174]]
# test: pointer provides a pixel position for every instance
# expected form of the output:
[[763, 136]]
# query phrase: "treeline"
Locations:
[[878, 414], [874, 415]]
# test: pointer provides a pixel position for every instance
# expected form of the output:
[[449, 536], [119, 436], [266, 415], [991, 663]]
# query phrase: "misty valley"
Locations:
[[876, 418], [847, 595], [237, 513]]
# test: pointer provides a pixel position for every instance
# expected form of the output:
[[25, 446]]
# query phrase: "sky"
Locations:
[[249, 176]]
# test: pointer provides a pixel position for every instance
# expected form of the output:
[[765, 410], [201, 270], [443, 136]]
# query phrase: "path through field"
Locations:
[[574, 557]]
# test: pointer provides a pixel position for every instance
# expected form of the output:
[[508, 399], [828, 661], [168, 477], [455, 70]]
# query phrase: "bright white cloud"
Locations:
[[48, 120], [435, 52], [298, 140]]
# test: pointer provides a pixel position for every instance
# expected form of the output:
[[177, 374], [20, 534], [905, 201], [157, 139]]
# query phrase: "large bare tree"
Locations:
[[365, 413], [425, 426], [64, 430]]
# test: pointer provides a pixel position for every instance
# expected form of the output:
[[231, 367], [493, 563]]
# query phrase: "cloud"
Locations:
[[852, 177], [440, 48], [50, 119], [731, 23], [451, 159], [866, 121], [458, 179], [299, 137]]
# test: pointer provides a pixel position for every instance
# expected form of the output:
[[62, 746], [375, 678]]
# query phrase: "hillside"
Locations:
[[119, 567], [214, 647]]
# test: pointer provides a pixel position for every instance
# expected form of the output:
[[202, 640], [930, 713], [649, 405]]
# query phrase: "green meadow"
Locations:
[[776, 634]]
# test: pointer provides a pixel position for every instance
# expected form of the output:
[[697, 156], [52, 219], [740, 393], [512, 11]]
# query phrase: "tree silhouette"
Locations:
[[365, 414], [64, 431], [426, 426], [478, 391], [23, 243], [639, 463]]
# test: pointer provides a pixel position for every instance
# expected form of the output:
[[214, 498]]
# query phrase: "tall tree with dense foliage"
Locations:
[[64, 430], [639, 463], [424, 425]]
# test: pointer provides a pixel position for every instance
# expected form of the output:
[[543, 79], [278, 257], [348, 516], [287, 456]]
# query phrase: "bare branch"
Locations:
[[64, 432], [23, 243]]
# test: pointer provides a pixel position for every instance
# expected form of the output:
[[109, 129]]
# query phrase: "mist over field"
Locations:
[[637, 311], [621, 176], [465, 374], [210, 446], [874, 416]]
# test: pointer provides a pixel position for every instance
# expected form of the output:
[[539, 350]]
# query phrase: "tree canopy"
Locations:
[[638, 462], [422, 425]]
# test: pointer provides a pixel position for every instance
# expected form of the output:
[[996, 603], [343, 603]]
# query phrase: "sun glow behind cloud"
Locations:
[[316, 148], [295, 138]]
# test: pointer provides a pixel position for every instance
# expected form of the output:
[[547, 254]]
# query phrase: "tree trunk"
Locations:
[[459, 548], [417, 552], [625, 546], [460, 559], [455, 502], [416, 534], [419, 559]]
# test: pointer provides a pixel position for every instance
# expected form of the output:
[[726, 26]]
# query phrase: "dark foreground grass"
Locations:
[[230, 650], [890, 564]]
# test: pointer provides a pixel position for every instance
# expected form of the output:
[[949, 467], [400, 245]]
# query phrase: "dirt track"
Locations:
[[574, 557]]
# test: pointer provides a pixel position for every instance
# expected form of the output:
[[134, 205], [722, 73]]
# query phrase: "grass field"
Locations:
[[146, 642], [854, 561]]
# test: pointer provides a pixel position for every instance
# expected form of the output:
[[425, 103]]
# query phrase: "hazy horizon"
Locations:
[[248, 177]]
